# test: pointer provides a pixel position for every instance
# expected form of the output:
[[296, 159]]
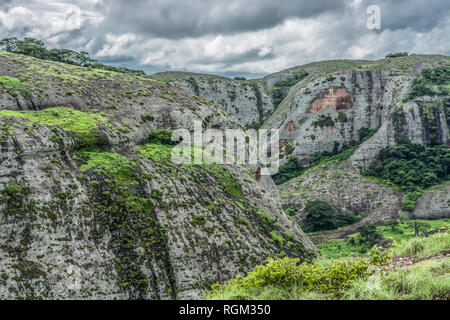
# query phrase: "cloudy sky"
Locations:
[[229, 37]]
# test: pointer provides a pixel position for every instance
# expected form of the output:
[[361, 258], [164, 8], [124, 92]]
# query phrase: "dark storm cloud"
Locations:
[[179, 19], [229, 36]]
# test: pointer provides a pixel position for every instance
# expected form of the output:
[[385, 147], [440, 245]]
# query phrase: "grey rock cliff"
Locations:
[[91, 209]]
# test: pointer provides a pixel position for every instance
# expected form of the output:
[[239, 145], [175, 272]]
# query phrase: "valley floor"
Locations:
[[413, 268]]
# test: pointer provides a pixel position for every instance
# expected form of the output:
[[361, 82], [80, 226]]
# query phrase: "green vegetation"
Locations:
[[36, 48], [162, 137], [230, 185], [432, 82], [159, 149], [344, 153], [413, 168], [360, 244], [324, 121], [14, 86], [82, 124], [369, 277], [288, 171], [342, 117], [287, 279], [12, 196], [194, 85], [423, 247], [110, 164], [321, 216], [397, 55], [293, 167], [281, 88]]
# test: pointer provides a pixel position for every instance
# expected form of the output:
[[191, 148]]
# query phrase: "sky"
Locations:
[[230, 37]]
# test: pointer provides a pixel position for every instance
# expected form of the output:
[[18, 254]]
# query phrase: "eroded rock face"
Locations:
[[92, 210], [332, 106], [251, 103], [346, 190], [337, 98], [434, 204]]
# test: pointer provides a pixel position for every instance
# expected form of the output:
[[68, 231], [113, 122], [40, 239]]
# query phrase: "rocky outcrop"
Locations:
[[90, 208], [434, 204], [250, 101], [345, 189], [331, 106]]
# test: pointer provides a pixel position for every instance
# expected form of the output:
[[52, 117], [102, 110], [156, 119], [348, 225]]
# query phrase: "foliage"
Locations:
[[420, 227], [398, 231], [288, 171], [346, 151], [320, 215], [14, 86], [426, 281], [366, 133], [162, 136], [82, 124], [110, 164], [36, 48], [281, 88], [342, 117], [324, 121], [397, 55], [413, 168], [225, 179], [286, 272], [358, 278], [433, 81], [194, 85], [369, 234], [12, 196], [410, 199], [423, 247]]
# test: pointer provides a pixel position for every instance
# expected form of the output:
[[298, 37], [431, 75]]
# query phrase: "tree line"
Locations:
[[36, 48]]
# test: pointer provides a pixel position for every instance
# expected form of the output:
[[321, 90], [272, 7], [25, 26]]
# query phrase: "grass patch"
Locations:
[[425, 281], [82, 124], [402, 231], [14, 86], [110, 164]]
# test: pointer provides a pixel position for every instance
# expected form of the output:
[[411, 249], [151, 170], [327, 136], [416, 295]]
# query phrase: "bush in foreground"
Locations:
[[367, 278]]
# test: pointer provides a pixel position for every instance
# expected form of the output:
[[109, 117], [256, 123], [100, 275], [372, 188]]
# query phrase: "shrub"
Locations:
[[281, 88], [162, 137], [369, 234], [397, 55], [288, 171], [286, 274], [413, 168], [320, 215]]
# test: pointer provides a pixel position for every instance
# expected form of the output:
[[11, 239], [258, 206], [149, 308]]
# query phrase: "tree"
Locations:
[[369, 234], [36, 48], [420, 227], [293, 168], [320, 215]]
